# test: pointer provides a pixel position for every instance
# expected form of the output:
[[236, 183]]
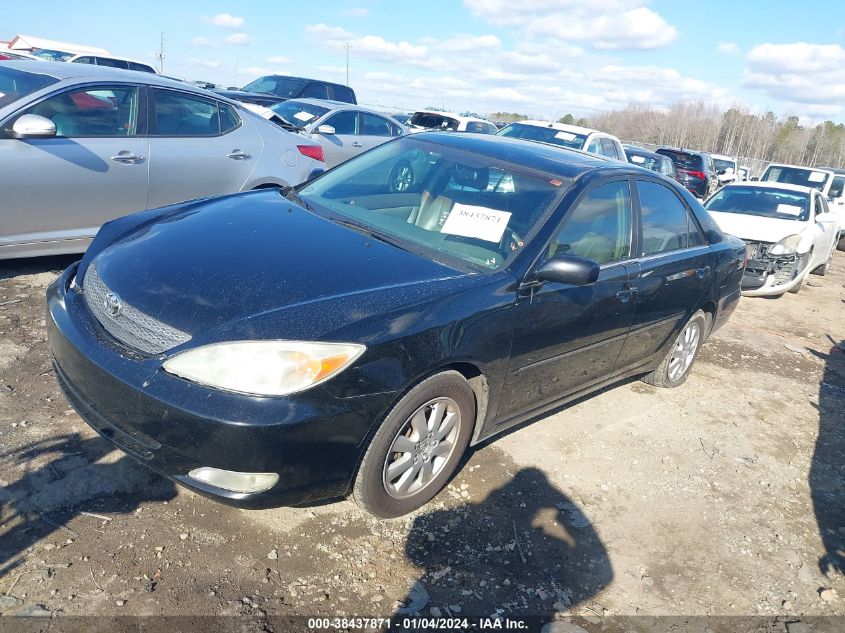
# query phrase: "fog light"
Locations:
[[234, 481]]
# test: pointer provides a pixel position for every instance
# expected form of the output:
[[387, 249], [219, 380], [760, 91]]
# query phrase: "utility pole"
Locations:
[[160, 55], [236, 72], [347, 47]]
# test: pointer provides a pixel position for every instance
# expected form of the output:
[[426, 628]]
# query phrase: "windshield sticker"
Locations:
[[817, 176], [565, 136], [303, 116], [478, 222], [553, 181], [637, 159], [789, 209]]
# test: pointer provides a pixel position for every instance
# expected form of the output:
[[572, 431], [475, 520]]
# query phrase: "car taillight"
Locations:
[[312, 151], [695, 174]]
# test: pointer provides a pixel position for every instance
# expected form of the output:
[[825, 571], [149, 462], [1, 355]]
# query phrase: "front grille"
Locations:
[[756, 250], [128, 325]]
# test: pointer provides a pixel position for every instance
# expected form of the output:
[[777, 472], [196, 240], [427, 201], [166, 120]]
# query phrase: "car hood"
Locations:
[[755, 228], [239, 257]]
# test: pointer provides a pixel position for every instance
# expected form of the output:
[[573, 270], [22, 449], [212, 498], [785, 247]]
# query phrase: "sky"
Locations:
[[543, 58]]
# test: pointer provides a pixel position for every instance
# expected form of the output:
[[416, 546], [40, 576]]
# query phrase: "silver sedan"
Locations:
[[81, 145], [344, 130]]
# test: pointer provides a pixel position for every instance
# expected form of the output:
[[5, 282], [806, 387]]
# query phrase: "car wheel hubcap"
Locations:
[[422, 448], [684, 350], [402, 179]]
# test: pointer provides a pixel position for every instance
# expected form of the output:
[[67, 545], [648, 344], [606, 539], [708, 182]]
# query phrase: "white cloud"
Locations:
[[326, 32], [238, 39], [600, 24], [204, 42], [374, 46], [356, 12], [281, 60], [465, 42], [728, 48], [208, 64], [799, 57], [226, 20]]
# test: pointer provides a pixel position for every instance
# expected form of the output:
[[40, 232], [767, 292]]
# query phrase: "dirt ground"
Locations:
[[723, 497]]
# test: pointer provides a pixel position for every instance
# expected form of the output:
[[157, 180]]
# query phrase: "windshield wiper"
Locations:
[[370, 232], [293, 194]]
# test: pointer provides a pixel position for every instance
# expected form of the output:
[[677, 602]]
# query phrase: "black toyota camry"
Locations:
[[356, 334]]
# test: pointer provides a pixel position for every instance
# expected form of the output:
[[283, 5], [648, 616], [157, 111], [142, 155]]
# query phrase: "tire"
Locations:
[[822, 270], [685, 350], [401, 177], [393, 482], [840, 246]]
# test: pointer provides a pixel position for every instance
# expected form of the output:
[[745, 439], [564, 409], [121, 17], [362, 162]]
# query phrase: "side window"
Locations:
[[343, 93], [595, 146], [98, 111], [343, 122], [141, 68], [372, 125], [821, 205], [490, 129], [666, 167], [474, 127], [229, 119], [395, 130], [599, 227], [112, 63], [84, 60], [315, 91], [667, 225], [181, 114], [609, 148]]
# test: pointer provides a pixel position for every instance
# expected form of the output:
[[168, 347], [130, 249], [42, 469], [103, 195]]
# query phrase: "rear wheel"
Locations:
[[417, 447], [674, 369]]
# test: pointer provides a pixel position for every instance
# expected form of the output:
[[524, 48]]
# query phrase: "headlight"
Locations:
[[264, 368], [786, 246]]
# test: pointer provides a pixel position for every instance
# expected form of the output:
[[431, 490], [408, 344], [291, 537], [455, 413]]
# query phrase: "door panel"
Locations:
[[95, 170], [189, 158], [345, 142]]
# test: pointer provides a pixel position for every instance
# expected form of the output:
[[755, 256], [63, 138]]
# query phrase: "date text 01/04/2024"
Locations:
[[418, 623]]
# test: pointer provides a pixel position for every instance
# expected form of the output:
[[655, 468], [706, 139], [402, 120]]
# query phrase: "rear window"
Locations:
[[649, 162], [343, 93], [16, 84], [298, 113], [803, 176], [274, 85], [684, 160], [563, 138], [434, 121]]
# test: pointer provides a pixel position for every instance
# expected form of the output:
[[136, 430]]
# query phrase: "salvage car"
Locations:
[[342, 338], [270, 89], [649, 160], [83, 145], [789, 231], [726, 169], [570, 136], [448, 122], [694, 170], [344, 130], [836, 197], [818, 178]]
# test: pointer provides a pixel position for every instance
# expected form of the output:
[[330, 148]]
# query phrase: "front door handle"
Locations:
[[238, 155], [127, 158], [626, 293], [702, 272], [356, 144]]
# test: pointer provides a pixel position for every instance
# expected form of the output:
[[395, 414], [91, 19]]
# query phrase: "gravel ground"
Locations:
[[723, 497]]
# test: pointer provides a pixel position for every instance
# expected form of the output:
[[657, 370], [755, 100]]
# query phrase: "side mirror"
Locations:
[[326, 129], [33, 126], [568, 269]]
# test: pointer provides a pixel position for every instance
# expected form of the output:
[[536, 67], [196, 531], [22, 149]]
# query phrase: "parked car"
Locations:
[[789, 231], [113, 62], [836, 198], [402, 118], [726, 169], [347, 338], [569, 136], [649, 160], [448, 121], [818, 178], [344, 130], [695, 170], [266, 91], [6, 55], [78, 151]]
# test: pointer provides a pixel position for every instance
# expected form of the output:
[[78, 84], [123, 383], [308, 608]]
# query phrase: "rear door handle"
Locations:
[[238, 155], [356, 144], [127, 158]]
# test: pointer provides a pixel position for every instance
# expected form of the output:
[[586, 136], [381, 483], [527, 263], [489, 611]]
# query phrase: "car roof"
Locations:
[[453, 115], [691, 152], [88, 72], [321, 81], [334, 105], [822, 169], [553, 159], [765, 184], [639, 151], [120, 58], [562, 127], [723, 157]]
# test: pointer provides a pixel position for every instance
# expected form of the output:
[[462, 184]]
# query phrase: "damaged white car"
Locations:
[[789, 231]]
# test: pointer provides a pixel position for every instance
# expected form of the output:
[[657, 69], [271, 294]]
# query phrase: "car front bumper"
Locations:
[[773, 278], [312, 440]]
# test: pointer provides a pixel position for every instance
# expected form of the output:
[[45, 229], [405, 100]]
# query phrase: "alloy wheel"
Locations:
[[684, 351]]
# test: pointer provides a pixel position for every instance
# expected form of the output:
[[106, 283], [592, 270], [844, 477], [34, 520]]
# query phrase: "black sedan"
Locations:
[[354, 335]]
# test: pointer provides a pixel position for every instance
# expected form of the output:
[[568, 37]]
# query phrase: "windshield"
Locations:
[[544, 135], [298, 113], [649, 162], [273, 85], [837, 187], [51, 55], [433, 121], [451, 205], [16, 84], [724, 165], [761, 201], [803, 176], [692, 162]]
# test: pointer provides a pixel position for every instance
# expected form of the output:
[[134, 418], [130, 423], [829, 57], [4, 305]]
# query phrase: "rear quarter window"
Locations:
[[343, 93]]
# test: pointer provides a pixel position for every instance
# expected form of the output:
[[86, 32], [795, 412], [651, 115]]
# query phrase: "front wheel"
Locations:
[[417, 447], [674, 369]]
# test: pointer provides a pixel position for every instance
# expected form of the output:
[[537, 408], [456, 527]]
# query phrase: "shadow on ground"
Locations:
[[526, 548]]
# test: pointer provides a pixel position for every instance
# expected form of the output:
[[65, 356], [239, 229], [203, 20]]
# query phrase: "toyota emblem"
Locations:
[[112, 304]]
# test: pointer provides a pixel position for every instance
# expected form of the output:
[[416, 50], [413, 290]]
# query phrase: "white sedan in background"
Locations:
[[789, 231]]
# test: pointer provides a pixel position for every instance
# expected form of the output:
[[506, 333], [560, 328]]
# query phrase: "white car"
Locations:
[[436, 120], [788, 229], [726, 169], [836, 197], [571, 136], [818, 178]]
